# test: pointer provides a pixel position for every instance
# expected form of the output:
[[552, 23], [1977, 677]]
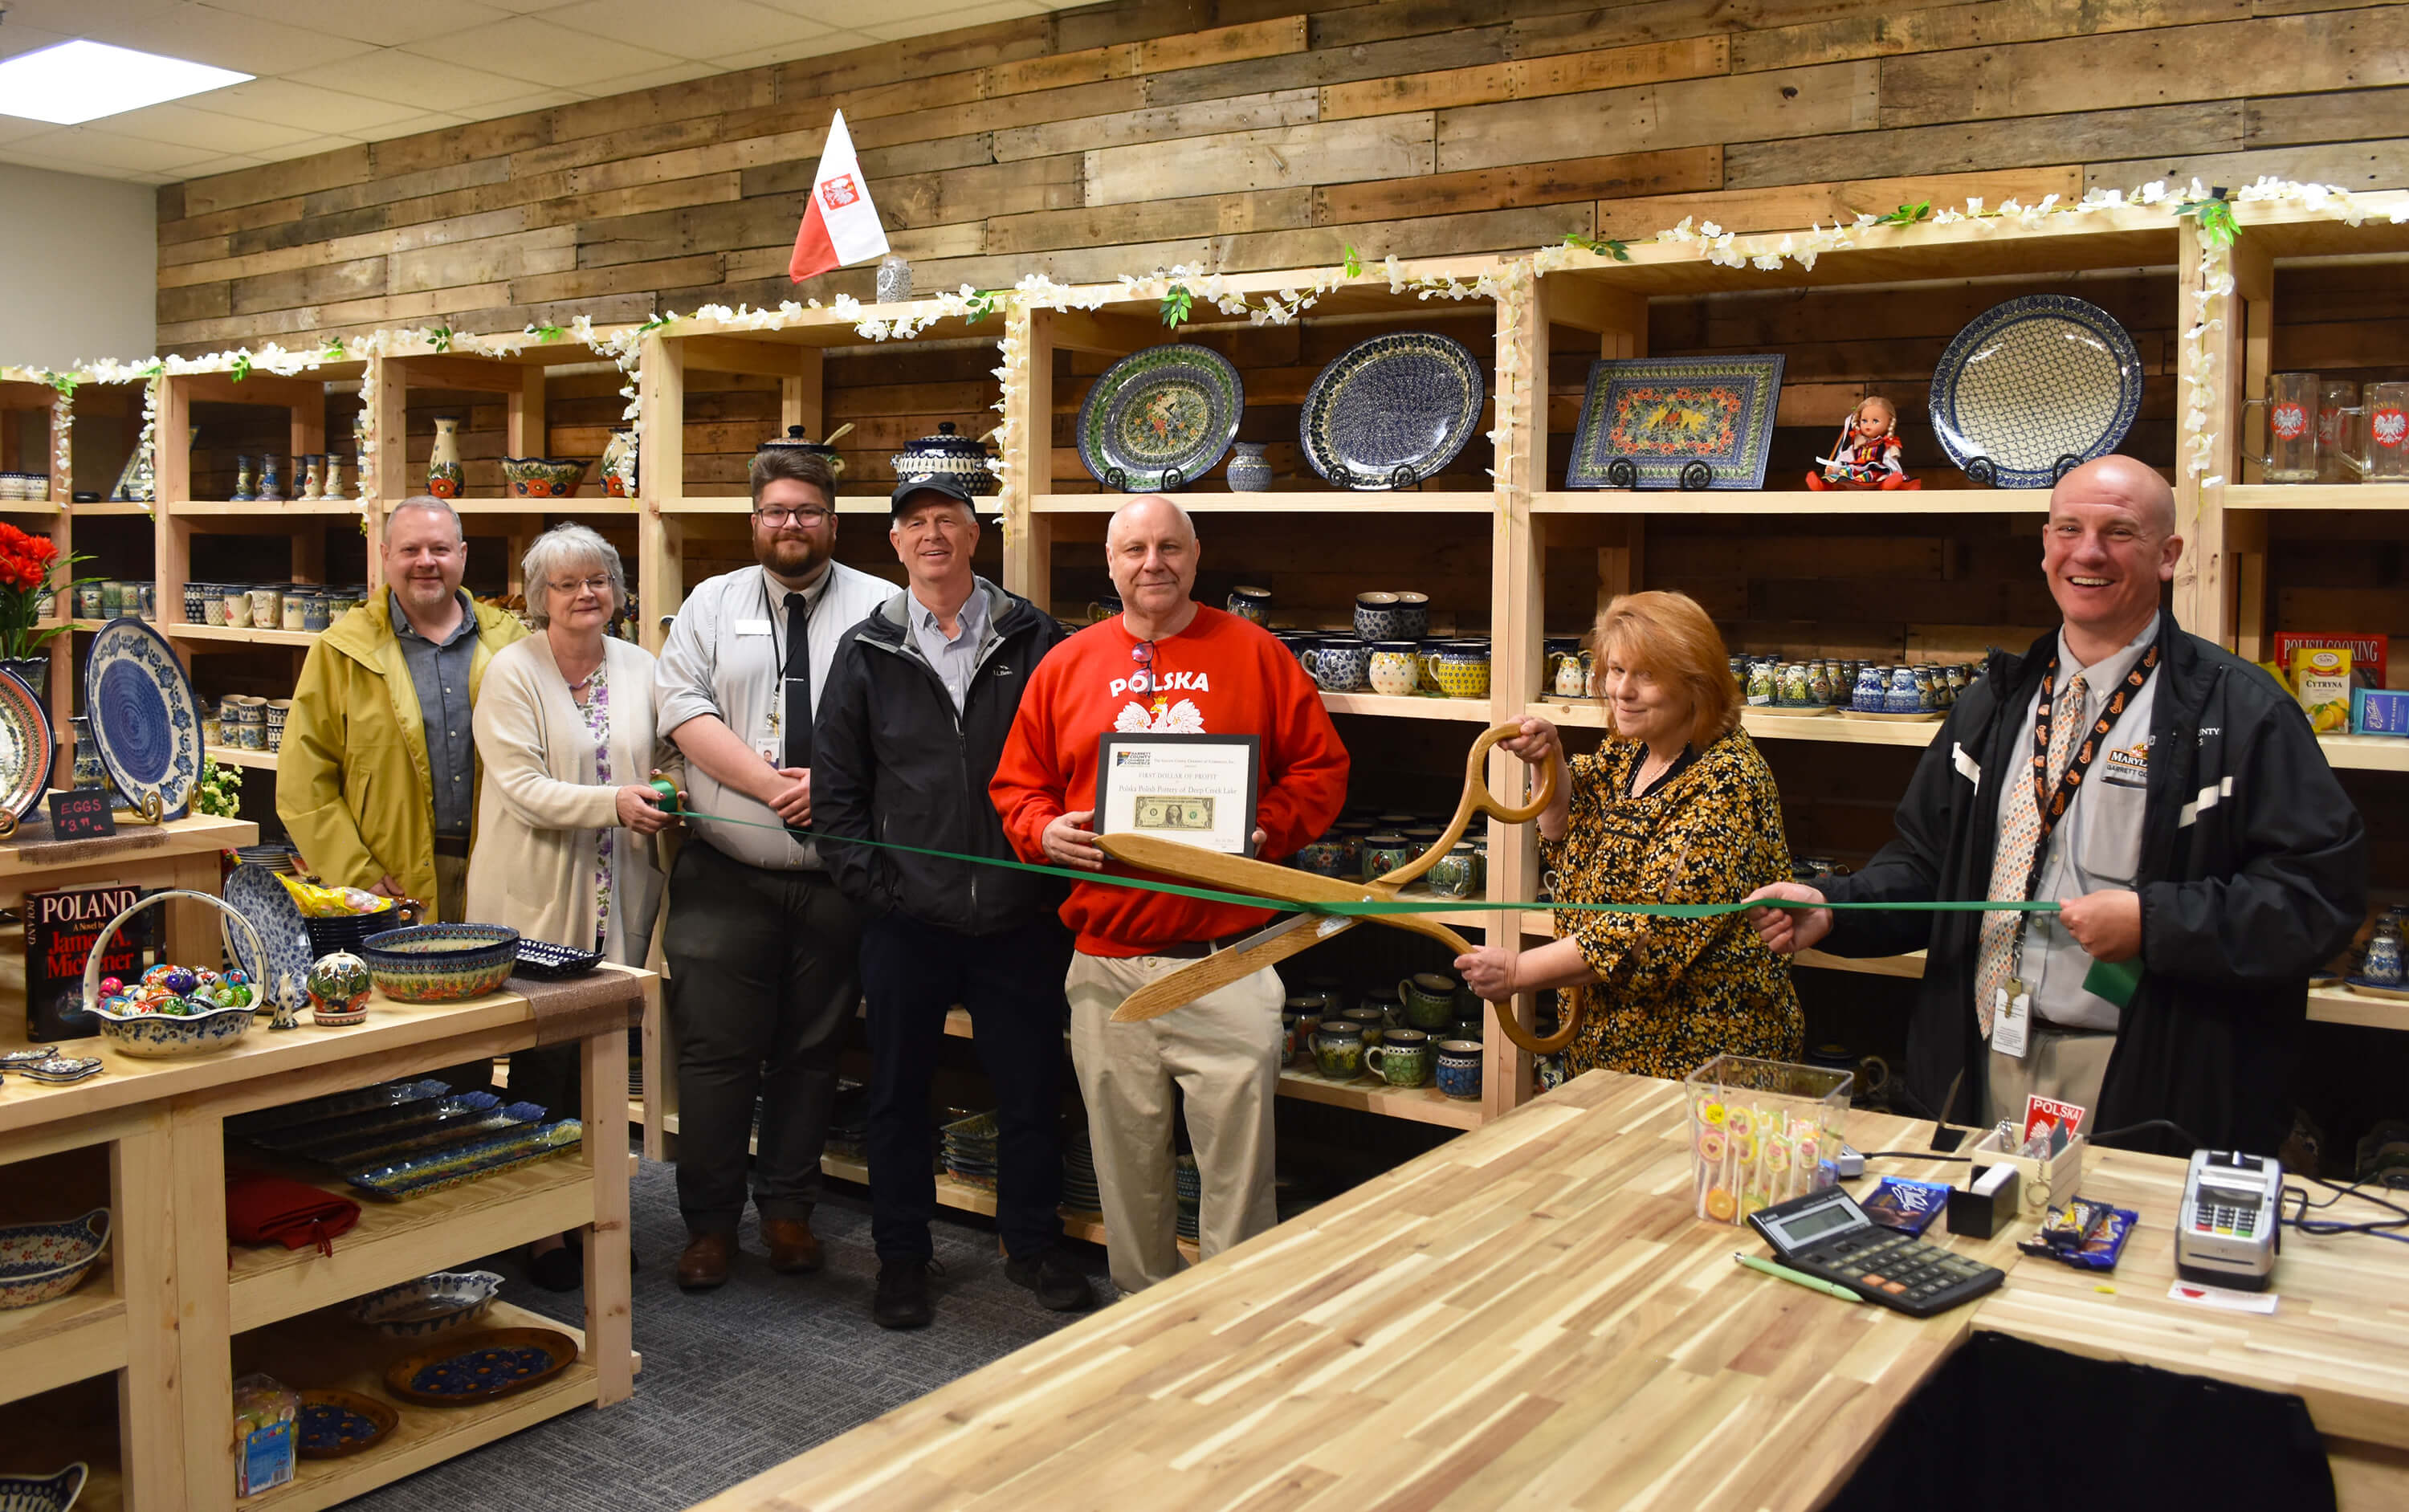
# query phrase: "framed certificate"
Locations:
[[1196, 789]]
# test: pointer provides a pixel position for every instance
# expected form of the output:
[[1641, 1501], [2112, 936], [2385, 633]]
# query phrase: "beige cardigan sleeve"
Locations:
[[526, 746]]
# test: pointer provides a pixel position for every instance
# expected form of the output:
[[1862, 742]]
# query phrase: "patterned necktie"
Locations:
[[2011, 865]]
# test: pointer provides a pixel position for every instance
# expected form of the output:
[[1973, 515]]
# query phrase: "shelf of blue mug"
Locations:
[[1424, 1029], [1391, 653], [1860, 689]]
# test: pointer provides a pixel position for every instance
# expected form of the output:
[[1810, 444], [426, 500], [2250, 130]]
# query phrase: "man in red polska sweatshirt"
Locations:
[[1169, 664]]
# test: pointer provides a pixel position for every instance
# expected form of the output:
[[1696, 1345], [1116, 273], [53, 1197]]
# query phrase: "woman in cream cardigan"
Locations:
[[565, 844]]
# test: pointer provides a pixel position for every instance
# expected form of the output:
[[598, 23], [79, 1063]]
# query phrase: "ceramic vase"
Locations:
[[1251, 471], [331, 484], [242, 491], [313, 475], [271, 483], [444, 474], [894, 280]]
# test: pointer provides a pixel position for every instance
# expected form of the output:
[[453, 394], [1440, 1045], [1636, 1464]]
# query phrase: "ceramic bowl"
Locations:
[[42, 1261], [44, 1493], [430, 1305], [159, 1036], [441, 962], [543, 477]]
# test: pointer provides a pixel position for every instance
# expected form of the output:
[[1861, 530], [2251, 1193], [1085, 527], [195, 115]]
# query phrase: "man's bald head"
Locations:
[[1150, 550], [2116, 479], [1149, 513]]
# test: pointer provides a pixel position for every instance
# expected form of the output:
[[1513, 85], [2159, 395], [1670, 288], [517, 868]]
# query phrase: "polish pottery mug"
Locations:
[[1459, 1069], [1392, 616], [1338, 663], [1385, 852], [1454, 876], [1339, 1050], [1401, 1059], [1460, 669], [1324, 858], [1396, 668], [1249, 603], [1369, 1021], [1429, 1000]]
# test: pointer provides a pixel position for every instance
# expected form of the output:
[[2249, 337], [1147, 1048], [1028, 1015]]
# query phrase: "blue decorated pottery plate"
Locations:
[[25, 747], [376, 1126], [491, 1363], [448, 1165], [253, 892], [335, 1423], [448, 1129], [1159, 418], [1393, 411], [2033, 382], [335, 1104], [43, 1493], [143, 716]]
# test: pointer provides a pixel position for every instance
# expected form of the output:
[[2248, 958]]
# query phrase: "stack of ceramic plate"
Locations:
[[848, 1134], [1191, 1192], [274, 857], [969, 1150], [1079, 1194]]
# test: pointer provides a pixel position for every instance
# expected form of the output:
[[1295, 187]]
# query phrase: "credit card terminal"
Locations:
[[1827, 1235], [2226, 1231]]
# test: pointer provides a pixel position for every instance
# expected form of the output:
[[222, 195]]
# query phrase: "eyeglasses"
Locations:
[[599, 582], [810, 519]]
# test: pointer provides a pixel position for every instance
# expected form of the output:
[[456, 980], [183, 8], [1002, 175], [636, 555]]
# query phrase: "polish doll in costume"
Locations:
[[1868, 452]]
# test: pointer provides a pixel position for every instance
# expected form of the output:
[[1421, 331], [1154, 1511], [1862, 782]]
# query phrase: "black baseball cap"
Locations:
[[932, 482]]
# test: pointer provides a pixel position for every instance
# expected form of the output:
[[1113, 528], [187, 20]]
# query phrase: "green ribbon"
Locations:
[[1374, 907]]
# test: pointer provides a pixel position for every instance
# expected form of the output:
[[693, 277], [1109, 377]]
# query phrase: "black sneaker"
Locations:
[[1059, 1285], [902, 1299]]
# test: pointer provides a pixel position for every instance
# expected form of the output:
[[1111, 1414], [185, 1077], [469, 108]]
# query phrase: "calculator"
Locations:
[[1827, 1235]]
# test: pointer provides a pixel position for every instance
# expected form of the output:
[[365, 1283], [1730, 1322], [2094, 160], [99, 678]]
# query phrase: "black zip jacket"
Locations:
[[2253, 873], [892, 761]]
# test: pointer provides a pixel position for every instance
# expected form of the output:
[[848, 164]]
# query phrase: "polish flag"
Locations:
[[840, 224]]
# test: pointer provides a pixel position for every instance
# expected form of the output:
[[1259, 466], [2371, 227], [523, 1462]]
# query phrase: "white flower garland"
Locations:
[[62, 439]]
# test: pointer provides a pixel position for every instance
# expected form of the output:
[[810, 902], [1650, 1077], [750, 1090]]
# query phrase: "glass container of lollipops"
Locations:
[[1761, 1132]]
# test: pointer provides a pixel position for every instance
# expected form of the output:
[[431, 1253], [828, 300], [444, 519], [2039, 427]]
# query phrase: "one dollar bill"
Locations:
[[1157, 811]]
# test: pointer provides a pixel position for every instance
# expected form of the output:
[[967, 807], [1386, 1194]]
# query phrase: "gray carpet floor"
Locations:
[[737, 1380]]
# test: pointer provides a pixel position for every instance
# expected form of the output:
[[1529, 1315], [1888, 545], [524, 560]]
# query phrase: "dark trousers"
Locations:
[[1012, 983], [764, 976]]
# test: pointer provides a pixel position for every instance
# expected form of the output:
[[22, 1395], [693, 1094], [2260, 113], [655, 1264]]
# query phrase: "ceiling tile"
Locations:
[[818, 47], [383, 25], [304, 106], [421, 83], [697, 29], [432, 121], [204, 131], [207, 35], [91, 149], [676, 73], [311, 147], [84, 17], [15, 39], [17, 128], [521, 104], [540, 52], [209, 167], [894, 19]]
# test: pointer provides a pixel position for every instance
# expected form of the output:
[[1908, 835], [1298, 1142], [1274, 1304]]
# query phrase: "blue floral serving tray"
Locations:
[[479, 1367], [1391, 412], [143, 715], [2031, 383], [1161, 418]]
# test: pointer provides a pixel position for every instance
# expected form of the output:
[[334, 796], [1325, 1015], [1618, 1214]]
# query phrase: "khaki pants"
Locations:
[[1222, 1052], [2067, 1064]]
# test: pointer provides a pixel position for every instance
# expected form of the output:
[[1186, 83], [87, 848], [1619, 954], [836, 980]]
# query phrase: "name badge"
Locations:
[[2127, 767], [752, 626]]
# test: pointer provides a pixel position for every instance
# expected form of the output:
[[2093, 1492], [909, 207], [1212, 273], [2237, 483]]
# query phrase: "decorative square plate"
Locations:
[[143, 715], [1159, 418], [2032, 382], [1393, 411], [25, 747], [1651, 423]]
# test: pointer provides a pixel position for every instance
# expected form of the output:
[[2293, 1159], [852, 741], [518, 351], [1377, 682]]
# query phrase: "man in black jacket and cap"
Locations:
[[908, 731], [2170, 797]]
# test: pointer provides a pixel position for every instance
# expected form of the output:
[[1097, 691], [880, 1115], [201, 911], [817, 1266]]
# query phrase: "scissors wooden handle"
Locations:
[[1477, 798]]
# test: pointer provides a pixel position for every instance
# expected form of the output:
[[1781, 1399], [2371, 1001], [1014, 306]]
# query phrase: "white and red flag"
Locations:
[[840, 224]]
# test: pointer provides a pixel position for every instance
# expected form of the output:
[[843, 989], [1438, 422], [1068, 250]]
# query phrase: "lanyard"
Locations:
[[2051, 803]]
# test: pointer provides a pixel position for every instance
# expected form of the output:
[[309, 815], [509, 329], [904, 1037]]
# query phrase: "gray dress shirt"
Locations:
[[722, 659], [439, 672], [2098, 845], [957, 658]]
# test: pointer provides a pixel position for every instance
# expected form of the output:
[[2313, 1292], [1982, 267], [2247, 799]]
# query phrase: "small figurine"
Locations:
[[1868, 452]]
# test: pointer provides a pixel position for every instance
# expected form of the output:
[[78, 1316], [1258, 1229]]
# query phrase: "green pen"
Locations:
[[1815, 1283]]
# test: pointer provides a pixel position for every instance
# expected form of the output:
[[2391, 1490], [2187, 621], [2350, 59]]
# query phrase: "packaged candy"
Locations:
[[318, 902], [1908, 1206], [2101, 1244], [265, 1431], [2065, 1227]]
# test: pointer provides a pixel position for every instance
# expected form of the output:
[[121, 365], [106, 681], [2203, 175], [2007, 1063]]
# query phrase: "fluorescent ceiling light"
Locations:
[[83, 81]]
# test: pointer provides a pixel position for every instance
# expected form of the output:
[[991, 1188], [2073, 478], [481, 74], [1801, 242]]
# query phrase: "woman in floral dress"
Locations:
[[1677, 807]]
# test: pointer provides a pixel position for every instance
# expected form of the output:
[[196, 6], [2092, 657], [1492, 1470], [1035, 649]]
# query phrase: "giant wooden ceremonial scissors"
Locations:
[[1277, 943]]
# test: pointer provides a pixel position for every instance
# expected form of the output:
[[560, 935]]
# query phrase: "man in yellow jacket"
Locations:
[[377, 782]]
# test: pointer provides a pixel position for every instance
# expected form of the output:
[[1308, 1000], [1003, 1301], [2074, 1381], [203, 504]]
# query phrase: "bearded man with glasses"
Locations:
[[761, 946]]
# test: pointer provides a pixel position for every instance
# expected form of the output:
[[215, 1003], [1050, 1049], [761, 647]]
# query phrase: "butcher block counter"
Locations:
[[1530, 1315]]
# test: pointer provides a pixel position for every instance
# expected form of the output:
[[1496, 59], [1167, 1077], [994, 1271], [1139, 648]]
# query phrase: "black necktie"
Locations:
[[798, 682]]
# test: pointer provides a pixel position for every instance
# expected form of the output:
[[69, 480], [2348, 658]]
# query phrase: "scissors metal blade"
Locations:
[[1267, 946]]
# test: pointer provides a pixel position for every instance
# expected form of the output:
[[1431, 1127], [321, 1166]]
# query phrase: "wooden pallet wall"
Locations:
[[1249, 134]]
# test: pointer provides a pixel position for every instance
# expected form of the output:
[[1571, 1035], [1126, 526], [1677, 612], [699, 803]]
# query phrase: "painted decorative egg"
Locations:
[[111, 987], [234, 995], [236, 977], [339, 983], [204, 977], [157, 975], [178, 981], [117, 1003]]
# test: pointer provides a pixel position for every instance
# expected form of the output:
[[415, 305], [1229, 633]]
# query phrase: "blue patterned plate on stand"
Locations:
[[25, 747], [2033, 385], [143, 716], [253, 892], [1391, 412], [1159, 418]]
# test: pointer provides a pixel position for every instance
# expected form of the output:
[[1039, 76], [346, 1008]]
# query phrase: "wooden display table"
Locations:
[[175, 1313], [182, 853], [1531, 1316]]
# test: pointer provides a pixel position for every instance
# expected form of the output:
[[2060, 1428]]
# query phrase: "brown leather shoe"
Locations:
[[793, 1247], [704, 1264]]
